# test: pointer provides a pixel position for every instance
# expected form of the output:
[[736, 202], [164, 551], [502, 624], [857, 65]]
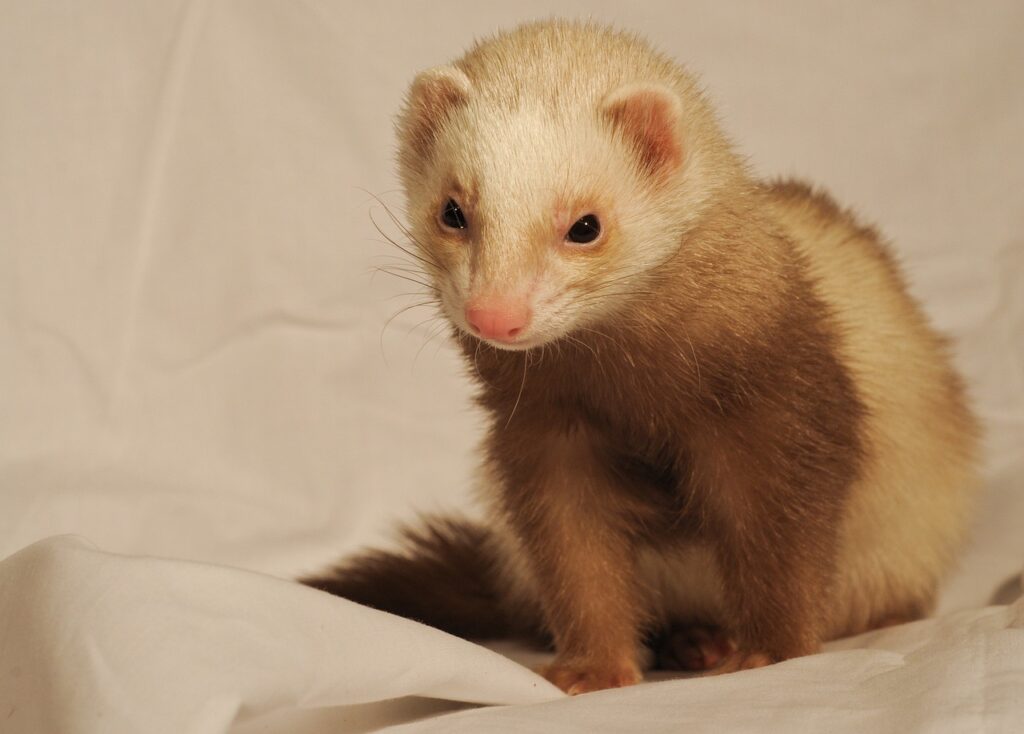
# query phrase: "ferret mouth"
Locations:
[[519, 345]]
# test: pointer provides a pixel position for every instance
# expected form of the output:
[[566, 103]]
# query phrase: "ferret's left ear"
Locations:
[[649, 118]]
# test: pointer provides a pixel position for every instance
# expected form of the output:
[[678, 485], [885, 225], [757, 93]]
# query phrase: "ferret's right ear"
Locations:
[[649, 119], [433, 96]]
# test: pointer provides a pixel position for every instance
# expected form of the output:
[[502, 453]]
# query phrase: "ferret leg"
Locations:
[[774, 519], [573, 527], [777, 595]]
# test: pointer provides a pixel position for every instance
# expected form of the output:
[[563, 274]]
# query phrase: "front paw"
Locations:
[[580, 676]]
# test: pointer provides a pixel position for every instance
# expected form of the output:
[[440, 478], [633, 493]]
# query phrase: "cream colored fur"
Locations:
[[910, 510]]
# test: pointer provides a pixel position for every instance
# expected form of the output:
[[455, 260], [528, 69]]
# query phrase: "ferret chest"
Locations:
[[644, 457]]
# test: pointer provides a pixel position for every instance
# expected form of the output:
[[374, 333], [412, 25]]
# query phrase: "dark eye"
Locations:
[[586, 229], [452, 215]]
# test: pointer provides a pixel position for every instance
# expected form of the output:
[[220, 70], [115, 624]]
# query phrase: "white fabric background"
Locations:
[[192, 363]]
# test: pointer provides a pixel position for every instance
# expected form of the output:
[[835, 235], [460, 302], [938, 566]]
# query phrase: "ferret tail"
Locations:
[[444, 575]]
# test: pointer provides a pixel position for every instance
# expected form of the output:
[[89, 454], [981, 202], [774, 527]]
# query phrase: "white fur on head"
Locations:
[[526, 143], [522, 173]]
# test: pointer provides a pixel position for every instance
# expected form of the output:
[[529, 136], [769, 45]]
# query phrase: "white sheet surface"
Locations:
[[195, 378]]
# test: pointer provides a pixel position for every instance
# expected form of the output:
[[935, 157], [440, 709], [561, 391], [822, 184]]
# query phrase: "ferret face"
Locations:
[[537, 222]]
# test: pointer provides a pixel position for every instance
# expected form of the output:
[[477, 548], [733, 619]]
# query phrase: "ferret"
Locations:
[[719, 424]]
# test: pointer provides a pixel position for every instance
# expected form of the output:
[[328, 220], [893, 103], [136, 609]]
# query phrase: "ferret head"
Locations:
[[543, 193]]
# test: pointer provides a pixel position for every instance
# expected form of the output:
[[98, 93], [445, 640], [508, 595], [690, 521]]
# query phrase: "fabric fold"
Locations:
[[98, 642]]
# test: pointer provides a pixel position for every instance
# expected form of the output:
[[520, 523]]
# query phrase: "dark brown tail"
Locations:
[[444, 575]]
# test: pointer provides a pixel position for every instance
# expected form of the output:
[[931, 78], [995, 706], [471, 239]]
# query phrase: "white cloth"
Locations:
[[96, 642], [192, 363]]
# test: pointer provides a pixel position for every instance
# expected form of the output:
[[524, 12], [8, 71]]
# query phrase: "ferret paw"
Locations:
[[694, 647], [583, 677], [743, 660], [752, 660]]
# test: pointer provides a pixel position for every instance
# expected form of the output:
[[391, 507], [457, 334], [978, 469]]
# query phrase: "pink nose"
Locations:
[[498, 319]]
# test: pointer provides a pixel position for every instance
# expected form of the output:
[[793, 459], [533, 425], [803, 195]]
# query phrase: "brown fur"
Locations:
[[758, 429], [442, 577]]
